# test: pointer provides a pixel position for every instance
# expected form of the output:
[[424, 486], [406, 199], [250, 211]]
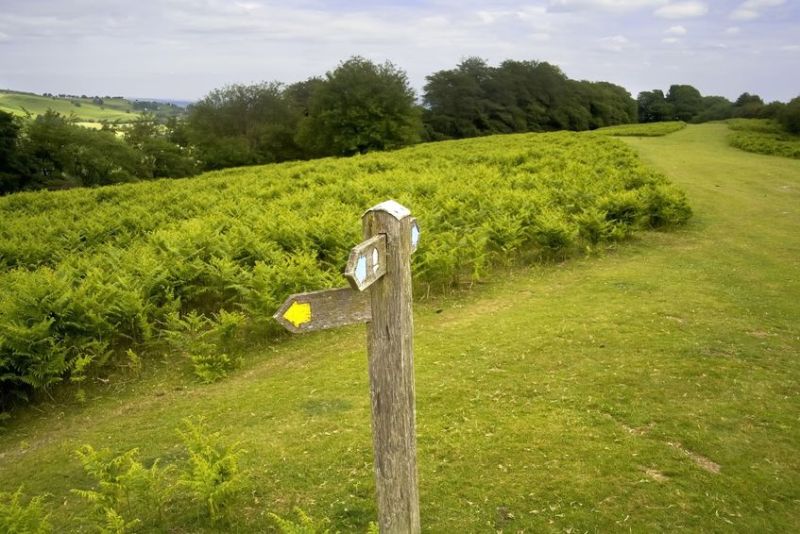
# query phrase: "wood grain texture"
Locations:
[[391, 369], [329, 308]]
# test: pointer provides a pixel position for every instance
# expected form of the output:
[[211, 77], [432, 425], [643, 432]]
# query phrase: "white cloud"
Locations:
[[744, 14], [603, 5], [615, 43], [751, 9], [533, 15], [184, 48], [675, 30], [682, 10]]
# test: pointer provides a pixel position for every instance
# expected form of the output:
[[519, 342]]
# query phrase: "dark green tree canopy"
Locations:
[[10, 175], [160, 156], [653, 106], [360, 106], [789, 116], [686, 101], [244, 125], [518, 96], [748, 106]]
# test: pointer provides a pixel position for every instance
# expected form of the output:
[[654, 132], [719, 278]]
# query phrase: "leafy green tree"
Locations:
[[11, 178], [686, 100], [457, 102], [244, 125], [518, 96], [715, 108], [653, 106], [298, 96], [608, 104], [748, 106], [789, 117], [160, 156], [359, 107], [60, 154], [772, 110]]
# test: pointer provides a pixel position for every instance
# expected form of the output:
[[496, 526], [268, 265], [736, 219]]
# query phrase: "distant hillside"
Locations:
[[87, 109]]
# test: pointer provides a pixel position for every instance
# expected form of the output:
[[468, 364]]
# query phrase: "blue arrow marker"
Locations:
[[361, 269], [414, 236]]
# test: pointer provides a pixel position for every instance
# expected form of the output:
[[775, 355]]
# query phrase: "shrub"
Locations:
[[212, 475], [126, 494], [652, 129], [763, 137], [19, 518]]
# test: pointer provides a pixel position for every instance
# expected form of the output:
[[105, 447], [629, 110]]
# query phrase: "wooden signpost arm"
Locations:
[[391, 370]]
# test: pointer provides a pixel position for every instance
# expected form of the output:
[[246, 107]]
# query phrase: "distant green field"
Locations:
[[82, 108], [87, 111]]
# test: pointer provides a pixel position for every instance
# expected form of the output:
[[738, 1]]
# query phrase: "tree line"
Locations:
[[358, 107], [686, 103]]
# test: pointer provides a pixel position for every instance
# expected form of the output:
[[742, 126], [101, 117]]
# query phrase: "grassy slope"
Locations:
[[88, 112], [575, 396]]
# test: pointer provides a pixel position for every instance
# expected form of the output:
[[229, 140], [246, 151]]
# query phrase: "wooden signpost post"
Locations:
[[381, 264]]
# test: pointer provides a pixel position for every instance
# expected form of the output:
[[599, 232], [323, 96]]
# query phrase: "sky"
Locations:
[[182, 49]]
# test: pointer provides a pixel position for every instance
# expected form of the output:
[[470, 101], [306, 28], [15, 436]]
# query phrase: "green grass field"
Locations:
[[88, 112], [653, 387]]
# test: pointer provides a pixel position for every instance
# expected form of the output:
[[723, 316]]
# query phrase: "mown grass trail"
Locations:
[[654, 388]]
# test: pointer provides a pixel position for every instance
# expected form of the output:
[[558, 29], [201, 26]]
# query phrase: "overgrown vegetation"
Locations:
[[144, 261], [653, 129], [763, 137], [18, 517], [128, 495]]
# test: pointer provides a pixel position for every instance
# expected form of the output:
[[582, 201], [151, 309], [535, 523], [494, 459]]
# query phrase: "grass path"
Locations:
[[650, 389]]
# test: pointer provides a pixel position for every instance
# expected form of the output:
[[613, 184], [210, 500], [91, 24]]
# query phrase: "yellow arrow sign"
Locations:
[[299, 313], [331, 308]]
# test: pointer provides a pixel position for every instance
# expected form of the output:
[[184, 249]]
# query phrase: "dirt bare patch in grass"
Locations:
[[656, 475], [700, 460]]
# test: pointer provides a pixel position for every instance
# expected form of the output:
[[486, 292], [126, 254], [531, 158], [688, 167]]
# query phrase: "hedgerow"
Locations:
[[650, 129], [763, 137], [88, 274]]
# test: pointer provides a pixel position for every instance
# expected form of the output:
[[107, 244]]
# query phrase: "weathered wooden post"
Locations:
[[382, 264], [390, 346]]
